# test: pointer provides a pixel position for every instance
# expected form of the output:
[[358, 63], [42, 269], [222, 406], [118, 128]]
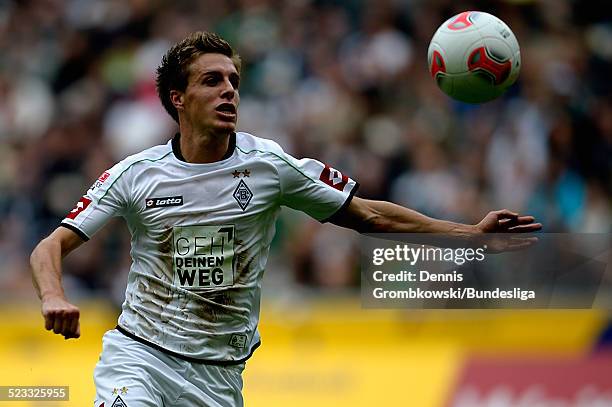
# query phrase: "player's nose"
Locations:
[[228, 91]]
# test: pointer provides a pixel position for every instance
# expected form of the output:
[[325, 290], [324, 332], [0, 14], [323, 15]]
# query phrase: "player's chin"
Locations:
[[225, 125]]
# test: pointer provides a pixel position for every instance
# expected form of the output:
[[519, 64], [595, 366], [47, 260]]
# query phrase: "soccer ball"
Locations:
[[474, 57]]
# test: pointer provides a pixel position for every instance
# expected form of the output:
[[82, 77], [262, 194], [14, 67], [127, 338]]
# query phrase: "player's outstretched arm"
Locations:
[[367, 216], [60, 316]]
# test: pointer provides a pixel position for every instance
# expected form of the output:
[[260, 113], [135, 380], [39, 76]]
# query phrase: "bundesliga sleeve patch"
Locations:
[[333, 178], [101, 179], [79, 207]]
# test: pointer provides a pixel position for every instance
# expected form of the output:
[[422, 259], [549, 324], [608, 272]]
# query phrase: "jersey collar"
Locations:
[[176, 147]]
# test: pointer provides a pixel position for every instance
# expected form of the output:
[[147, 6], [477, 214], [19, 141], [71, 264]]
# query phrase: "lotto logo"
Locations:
[[163, 202], [333, 178], [79, 207]]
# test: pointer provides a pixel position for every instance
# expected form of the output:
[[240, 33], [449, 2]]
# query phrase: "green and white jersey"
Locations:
[[200, 237]]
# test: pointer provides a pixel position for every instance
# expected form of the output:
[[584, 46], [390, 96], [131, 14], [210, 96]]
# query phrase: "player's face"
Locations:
[[211, 98]]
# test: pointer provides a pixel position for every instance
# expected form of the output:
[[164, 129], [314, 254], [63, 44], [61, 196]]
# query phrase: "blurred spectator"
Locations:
[[344, 82]]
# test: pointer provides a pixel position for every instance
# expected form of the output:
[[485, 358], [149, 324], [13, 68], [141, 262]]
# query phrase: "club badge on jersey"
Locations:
[[243, 195]]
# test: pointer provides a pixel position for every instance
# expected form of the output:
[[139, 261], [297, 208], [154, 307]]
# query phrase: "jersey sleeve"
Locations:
[[313, 187], [104, 199]]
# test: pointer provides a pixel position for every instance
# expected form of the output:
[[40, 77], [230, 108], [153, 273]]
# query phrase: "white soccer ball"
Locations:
[[474, 57]]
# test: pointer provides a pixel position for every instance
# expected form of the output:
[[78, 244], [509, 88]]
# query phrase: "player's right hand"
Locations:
[[61, 316]]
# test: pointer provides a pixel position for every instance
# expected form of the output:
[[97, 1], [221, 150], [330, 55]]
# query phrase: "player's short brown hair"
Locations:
[[173, 72]]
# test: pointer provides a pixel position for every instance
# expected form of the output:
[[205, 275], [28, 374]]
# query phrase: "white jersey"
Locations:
[[200, 237]]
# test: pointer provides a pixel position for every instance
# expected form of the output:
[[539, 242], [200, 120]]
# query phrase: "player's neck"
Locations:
[[203, 147]]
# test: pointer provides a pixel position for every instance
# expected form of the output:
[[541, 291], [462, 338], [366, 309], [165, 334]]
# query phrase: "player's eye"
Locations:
[[235, 81], [211, 81]]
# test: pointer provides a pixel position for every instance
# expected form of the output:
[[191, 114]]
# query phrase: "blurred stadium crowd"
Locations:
[[345, 82]]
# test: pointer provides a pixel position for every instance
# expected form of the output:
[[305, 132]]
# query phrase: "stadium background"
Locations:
[[345, 82]]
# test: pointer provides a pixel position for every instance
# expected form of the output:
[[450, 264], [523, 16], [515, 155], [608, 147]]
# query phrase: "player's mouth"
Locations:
[[226, 110]]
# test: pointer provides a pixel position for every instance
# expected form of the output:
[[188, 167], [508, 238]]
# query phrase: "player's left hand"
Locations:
[[505, 221]]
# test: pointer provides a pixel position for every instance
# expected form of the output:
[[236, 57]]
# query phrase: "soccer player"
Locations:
[[201, 211]]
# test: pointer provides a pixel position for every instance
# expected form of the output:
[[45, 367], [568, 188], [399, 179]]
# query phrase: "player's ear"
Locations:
[[176, 97]]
